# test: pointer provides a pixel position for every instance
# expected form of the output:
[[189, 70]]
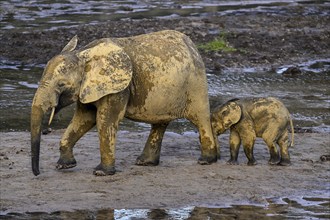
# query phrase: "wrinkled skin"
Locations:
[[153, 78], [247, 119]]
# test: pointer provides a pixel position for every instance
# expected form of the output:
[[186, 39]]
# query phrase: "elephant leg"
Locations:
[[274, 154], [82, 121], [217, 145], [248, 145], [208, 142], [151, 151], [270, 138], [283, 142], [110, 111], [234, 143]]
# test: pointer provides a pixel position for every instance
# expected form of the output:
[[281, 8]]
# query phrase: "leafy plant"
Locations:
[[218, 44]]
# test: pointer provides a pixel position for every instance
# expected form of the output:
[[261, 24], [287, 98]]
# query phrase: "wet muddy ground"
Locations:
[[266, 38], [178, 183]]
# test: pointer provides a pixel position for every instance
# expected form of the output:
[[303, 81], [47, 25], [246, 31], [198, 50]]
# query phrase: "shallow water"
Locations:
[[285, 208], [46, 14], [306, 95]]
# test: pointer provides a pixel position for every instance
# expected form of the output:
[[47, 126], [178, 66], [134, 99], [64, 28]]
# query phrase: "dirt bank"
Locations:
[[269, 38], [177, 182]]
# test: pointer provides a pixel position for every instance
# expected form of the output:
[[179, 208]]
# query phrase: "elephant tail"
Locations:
[[292, 133]]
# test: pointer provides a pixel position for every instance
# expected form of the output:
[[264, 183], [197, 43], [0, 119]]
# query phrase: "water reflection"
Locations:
[[300, 208], [306, 95]]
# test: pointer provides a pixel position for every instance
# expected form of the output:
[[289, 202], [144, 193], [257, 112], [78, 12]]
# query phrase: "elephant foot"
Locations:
[[66, 164], [207, 160], [273, 162], [143, 161], [232, 162], [252, 162], [284, 162], [101, 170]]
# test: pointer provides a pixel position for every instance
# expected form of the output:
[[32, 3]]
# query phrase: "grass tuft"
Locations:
[[218, 44]]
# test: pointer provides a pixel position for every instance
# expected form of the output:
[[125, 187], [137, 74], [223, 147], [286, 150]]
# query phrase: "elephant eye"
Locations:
[[225, 112], [61, 84]]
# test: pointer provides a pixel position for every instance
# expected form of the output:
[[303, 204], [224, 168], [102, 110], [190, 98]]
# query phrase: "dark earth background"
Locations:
[[291, 34]]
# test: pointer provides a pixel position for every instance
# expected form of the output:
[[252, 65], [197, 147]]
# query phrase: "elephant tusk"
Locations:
[[51, 116]]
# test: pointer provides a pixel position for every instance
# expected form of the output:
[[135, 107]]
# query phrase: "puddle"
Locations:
[[277, 208]]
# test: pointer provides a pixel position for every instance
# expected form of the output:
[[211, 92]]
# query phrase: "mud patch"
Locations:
[[178, 181]]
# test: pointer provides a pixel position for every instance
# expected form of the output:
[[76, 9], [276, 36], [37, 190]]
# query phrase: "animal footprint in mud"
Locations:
[[325, 157], [10, 165], [3, 156]]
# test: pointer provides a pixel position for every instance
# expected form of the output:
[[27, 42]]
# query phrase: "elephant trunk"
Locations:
[[44, 100], [37, 115]]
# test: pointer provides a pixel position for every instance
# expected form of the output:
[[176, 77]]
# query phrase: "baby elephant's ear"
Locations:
[[107, 70], [233, 116]]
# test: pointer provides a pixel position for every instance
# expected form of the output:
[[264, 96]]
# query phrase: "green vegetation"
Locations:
[[218, 44]]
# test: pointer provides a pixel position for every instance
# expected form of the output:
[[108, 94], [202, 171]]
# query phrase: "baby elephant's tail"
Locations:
[[292, 133]]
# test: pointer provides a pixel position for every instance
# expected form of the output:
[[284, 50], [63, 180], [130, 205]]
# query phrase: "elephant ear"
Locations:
[[107, 70], [231, 115]]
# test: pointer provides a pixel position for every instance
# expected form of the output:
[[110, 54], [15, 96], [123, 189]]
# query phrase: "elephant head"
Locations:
[[83, 75], [225, 116]]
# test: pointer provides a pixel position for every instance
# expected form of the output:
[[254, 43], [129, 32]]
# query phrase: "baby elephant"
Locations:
[[247, 119]]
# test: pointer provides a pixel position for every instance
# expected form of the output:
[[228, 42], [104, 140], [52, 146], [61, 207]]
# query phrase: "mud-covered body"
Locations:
[[170, 70], [247, 119], [153, 78], [263, 115]]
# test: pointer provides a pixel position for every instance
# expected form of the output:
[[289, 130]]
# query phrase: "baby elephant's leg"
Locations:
[[248, 144], [283, 142], [270, 139], [234, 143]]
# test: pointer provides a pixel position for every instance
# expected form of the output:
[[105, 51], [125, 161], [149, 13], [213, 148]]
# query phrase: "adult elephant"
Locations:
[[153, 78]]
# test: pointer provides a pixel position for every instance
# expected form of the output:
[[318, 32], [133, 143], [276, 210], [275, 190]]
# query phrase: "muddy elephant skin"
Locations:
[[247, 119], [153, 78]]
